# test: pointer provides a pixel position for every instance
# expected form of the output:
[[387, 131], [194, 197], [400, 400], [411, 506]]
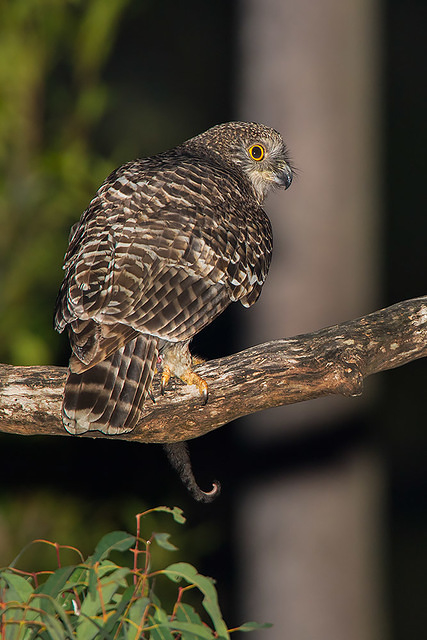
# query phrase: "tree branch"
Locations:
[[331, 361]]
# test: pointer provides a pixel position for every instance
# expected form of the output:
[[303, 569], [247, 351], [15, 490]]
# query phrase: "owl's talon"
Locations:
[[203, 388], [189, 377], [166, 374]]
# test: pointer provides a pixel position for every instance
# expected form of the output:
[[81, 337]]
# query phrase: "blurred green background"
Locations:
[[86, 86]]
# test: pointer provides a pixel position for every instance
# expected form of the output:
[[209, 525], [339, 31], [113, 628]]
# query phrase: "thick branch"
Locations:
[[331, 361]]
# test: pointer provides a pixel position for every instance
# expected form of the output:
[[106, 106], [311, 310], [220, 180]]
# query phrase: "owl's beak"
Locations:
[[284, 178]]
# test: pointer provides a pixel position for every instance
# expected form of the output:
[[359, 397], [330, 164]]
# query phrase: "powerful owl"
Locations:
[[166, 244]]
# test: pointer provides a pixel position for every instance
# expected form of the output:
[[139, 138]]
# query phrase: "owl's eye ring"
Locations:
[[256, 152]]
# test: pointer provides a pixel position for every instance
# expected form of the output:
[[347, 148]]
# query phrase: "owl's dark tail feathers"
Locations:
[[179, 458], [109, 396]]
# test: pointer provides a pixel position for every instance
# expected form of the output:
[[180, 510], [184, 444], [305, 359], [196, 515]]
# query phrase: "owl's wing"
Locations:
[[166, 274]]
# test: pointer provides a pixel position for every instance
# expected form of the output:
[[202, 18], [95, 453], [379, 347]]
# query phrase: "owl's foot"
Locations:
[[177, 361], [189, 377], [166, 374]]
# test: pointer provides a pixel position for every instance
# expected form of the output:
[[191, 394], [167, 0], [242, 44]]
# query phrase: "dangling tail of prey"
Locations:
[[179, 458]]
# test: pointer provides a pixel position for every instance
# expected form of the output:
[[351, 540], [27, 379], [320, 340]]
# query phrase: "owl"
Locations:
[[165, 245]]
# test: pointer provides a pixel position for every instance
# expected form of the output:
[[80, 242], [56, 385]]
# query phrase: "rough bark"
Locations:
[[334, 360]]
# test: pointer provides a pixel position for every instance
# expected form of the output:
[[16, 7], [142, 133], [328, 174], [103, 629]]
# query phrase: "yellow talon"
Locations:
[[189, 377], [166, 374], [177, 361]]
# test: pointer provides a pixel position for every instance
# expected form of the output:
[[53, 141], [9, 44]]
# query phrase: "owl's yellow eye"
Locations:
[[257, 152]]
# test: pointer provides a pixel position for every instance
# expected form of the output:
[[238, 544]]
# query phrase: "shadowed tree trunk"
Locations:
[[309, 540]]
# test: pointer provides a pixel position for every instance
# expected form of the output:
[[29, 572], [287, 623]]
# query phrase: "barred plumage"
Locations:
[[166, 244]]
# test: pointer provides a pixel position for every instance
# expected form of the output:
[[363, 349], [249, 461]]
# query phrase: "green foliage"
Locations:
[[101, 598], [52, 54]]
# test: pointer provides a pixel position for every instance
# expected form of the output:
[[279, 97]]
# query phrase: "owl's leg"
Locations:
[[189, 377], [177, 361]]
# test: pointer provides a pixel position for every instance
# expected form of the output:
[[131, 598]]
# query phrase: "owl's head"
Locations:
[[254, 149]]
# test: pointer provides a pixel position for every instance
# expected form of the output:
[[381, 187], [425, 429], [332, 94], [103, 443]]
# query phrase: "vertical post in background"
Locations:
[[309, 541]]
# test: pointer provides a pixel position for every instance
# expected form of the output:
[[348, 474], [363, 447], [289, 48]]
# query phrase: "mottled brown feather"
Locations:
[[166, 244]]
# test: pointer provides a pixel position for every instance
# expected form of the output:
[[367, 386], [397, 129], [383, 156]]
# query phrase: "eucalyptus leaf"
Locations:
[[117, 616], [113, 541], [134, 617], [91, 629], [162, 540], [186, 613], [182, 570], [49, 608], [17, 587], [56, 582], [176, 513], [160, 629]]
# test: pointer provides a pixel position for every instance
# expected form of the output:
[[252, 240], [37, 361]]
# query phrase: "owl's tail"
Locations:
[[109, 396]]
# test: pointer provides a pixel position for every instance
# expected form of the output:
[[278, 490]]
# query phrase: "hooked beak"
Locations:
[[284, 178]]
